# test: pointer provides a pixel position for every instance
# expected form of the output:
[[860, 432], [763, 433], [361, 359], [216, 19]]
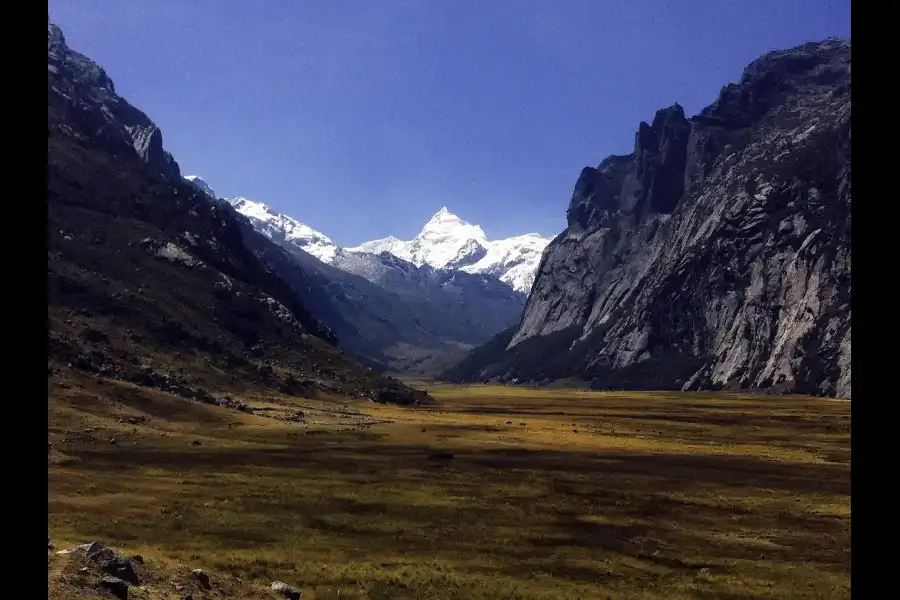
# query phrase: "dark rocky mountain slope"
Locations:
[[150, 282], [420, 318], [468, 308], [406, 318], [717, 254]]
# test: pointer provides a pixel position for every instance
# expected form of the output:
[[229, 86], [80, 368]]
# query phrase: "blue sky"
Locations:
[[362, 118]]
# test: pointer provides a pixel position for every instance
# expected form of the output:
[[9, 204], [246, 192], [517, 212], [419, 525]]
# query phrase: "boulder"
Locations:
[[118, 587], [288, 591]]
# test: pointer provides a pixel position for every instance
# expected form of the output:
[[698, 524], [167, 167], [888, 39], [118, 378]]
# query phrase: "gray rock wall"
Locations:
[[724, 237]]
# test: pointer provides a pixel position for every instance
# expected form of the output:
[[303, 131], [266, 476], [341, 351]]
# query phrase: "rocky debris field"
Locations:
[[93, 569]]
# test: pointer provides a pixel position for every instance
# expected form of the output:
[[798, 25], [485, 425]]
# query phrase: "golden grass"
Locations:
[[597, 495]]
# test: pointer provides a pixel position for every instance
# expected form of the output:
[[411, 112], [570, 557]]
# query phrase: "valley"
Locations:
[[491, 492], [235, 401]]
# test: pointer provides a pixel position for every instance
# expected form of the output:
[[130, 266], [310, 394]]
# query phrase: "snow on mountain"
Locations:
[[514, 260], [282, 228], [391, 245], [200, 184], [446, 241]]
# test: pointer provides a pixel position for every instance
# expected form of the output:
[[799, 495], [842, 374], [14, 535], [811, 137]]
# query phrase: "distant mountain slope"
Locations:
[[716, 254], [383, 309], [471, 306], [284, 229], [152, 282]]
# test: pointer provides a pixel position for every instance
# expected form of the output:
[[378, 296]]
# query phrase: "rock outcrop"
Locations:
[[717, 254], [89, 96]]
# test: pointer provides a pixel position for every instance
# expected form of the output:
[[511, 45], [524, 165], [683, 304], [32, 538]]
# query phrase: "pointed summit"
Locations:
[[443, 215], [202, 185], [448, 242], [445, 226]]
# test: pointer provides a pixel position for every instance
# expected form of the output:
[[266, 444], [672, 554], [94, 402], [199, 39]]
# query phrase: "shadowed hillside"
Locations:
[[151, 282]]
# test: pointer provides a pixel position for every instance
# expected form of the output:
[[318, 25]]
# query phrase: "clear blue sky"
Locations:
[[363, 117]]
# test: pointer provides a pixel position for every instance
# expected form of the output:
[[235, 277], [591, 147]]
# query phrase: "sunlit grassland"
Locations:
[[549, 494]]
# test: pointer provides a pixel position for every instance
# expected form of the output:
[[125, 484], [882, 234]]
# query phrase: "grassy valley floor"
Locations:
[[495, 492]]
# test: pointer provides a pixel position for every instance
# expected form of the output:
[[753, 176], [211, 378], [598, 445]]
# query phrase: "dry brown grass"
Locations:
[[551, 493]]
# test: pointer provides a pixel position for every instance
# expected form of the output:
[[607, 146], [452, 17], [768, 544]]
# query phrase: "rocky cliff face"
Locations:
[[88, 98], [717, 253]]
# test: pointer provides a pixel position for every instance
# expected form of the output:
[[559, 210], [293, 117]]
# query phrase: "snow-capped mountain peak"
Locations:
[[445, 242], [390, 244], [515, 260], [201, 184], [282, 228], [448, 242], [444, 223], [441, 241]]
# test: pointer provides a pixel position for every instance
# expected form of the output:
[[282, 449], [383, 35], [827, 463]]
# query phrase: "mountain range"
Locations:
[[448, 242], [445, 242], [389, 312], [716, 254]]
